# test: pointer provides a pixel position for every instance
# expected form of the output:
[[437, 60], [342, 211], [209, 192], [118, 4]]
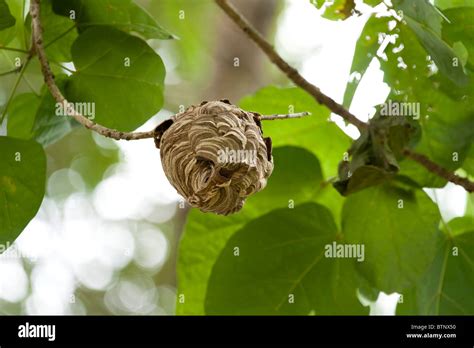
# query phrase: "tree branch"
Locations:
[[291, 72], [440, 171], [323, 99], [37, 41], [38, 48]]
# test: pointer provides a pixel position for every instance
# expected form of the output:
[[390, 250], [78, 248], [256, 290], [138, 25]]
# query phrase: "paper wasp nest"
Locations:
[[215, 155]]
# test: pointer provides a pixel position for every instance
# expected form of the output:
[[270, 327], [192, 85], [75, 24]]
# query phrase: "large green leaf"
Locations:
[[398, 228], [22, 185], [459, 225], [365, 51], [122, 14], [324, 138], [58, 33], [22, 117], [32, 117], [460, 29], [125, 95], [444, 4], [11, 12], [446, 136], [470, 204], [6, 18], [373, 3], [447, 286], [468, 165], [425, 22], [375, 154], [278, 264], [296, 179]]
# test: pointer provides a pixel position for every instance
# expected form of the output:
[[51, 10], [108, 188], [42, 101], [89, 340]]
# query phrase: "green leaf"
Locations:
[[122, 14], [373, 3], [315, 133], [446, 136], [444, 4], [22, 185], [460, 225], [422, 12], [376, 152], [58, 33], [398, 228], [296, 179], [337, 9], [468, 164], [6, 18], [365, 51], [447, 286], [22, 117], [49, 125], [282, 268], [459, 29], [425, 22], [9, 11], [32, 117], [470, 204], [362, 177], [125, 95]]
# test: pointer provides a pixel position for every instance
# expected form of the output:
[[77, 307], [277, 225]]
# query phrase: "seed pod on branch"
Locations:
[[215, 155]]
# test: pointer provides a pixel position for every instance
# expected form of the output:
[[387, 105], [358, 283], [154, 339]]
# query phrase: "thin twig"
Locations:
[[59, 37], [284, 116], [272, 55], [323, 99], [440, 171]]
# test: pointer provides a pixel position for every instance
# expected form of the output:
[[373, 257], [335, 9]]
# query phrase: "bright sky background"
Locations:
[[83, 239]]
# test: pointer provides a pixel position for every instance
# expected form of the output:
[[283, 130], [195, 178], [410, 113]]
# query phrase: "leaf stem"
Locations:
[[10, 71], [17, 82], [60, 36], [13, 49]]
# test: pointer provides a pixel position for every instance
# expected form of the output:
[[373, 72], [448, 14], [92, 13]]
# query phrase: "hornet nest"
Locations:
[[215, 155]]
